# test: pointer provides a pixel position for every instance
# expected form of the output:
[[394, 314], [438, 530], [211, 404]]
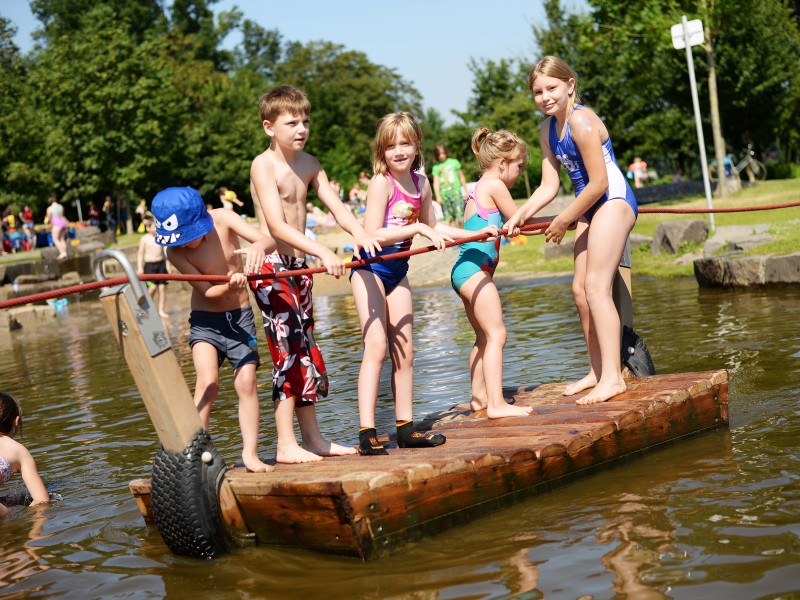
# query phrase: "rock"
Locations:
[[783, 269], [26, 316], [736, 238], [747, 271], [638, 240], [90, 233], [565, 249], [670, 235]]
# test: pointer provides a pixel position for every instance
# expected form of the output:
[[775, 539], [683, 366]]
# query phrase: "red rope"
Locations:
[[717, 210], [85, 287]]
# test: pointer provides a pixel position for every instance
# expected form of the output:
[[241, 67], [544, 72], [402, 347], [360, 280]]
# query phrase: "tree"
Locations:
[[65, 17], [630, 74], [348, 95], [21, 129], [109, 107]]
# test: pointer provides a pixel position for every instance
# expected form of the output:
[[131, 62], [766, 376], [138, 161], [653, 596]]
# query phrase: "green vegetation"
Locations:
[[125, 98]]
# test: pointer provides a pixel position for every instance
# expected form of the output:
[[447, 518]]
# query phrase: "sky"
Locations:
[[431, 49]]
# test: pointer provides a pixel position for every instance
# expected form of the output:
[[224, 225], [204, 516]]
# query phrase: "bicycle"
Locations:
[[755, 169]]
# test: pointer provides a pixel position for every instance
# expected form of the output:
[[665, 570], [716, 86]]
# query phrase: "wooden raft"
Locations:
[[369, 506]]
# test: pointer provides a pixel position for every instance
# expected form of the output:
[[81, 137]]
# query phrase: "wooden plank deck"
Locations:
[[368, 506]]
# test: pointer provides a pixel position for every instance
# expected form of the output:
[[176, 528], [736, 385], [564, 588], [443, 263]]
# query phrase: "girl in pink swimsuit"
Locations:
[[398, 208], [14, 457]]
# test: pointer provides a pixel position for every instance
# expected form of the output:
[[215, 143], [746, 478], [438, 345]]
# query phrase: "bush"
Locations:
[[782, 170]]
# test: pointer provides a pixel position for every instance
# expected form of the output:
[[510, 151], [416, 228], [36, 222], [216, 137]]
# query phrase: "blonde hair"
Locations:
[[552, 66], [283, 99], [489, 146], [388, 128]]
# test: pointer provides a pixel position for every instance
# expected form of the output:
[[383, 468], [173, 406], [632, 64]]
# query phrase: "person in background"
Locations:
[[152, 259], [141, 211], [28, 225], [59, 226], [228, 198], [94, 214], [110, 211], [449, 185]]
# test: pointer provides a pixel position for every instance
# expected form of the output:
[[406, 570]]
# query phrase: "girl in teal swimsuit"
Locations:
[[501, 156]]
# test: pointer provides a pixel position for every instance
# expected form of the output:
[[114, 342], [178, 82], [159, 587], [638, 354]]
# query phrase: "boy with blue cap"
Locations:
[[203, 242]]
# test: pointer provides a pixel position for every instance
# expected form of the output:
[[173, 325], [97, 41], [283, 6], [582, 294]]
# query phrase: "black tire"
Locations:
[[635, 354], [185, 495]]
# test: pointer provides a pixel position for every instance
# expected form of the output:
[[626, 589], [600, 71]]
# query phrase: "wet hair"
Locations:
[[283, 99], [388, 127], [552, 66], [9, 411], [489, 146]]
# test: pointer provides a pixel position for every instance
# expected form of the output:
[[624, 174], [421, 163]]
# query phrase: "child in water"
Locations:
[[572, 135], [14, 457], [501, 157], [398, 208]]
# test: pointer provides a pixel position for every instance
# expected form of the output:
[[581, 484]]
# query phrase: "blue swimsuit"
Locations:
[[567, 153], [477, 256], [401, 209]]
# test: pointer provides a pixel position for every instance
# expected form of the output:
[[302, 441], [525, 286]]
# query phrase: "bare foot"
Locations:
[[573, 388], [602, 392], [508, 410], [254, 464], [326, 448], [61, 257], [162, 314], [294, 455], [477, 405]]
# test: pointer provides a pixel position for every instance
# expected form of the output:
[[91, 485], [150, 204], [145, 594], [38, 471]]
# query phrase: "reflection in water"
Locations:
[[714, 516], [17, 564]]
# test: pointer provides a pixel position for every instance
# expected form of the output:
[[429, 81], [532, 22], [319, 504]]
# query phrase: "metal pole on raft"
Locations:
[[187, 482]]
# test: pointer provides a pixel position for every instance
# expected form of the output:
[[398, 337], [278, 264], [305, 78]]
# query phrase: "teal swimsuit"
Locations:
[[477, 256]]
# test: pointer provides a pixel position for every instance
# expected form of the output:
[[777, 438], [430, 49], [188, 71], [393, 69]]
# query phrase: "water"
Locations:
[[715, 516]]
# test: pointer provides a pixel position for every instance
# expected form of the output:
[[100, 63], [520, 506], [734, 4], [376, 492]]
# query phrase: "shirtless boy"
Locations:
[[279, 181], [151, 259], [203, 242]]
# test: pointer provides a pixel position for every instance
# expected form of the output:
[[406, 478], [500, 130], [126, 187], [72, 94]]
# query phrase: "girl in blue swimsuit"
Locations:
[[501, 156], [14, 457], [605, 207]]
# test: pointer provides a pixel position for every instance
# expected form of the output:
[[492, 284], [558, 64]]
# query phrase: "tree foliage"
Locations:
[[125, 98]]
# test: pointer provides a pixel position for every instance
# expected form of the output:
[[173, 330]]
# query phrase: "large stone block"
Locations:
[[719, 271], [783, 269], [669, 236]]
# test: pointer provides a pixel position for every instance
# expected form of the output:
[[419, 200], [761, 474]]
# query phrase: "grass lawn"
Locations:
[[783, 224]]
